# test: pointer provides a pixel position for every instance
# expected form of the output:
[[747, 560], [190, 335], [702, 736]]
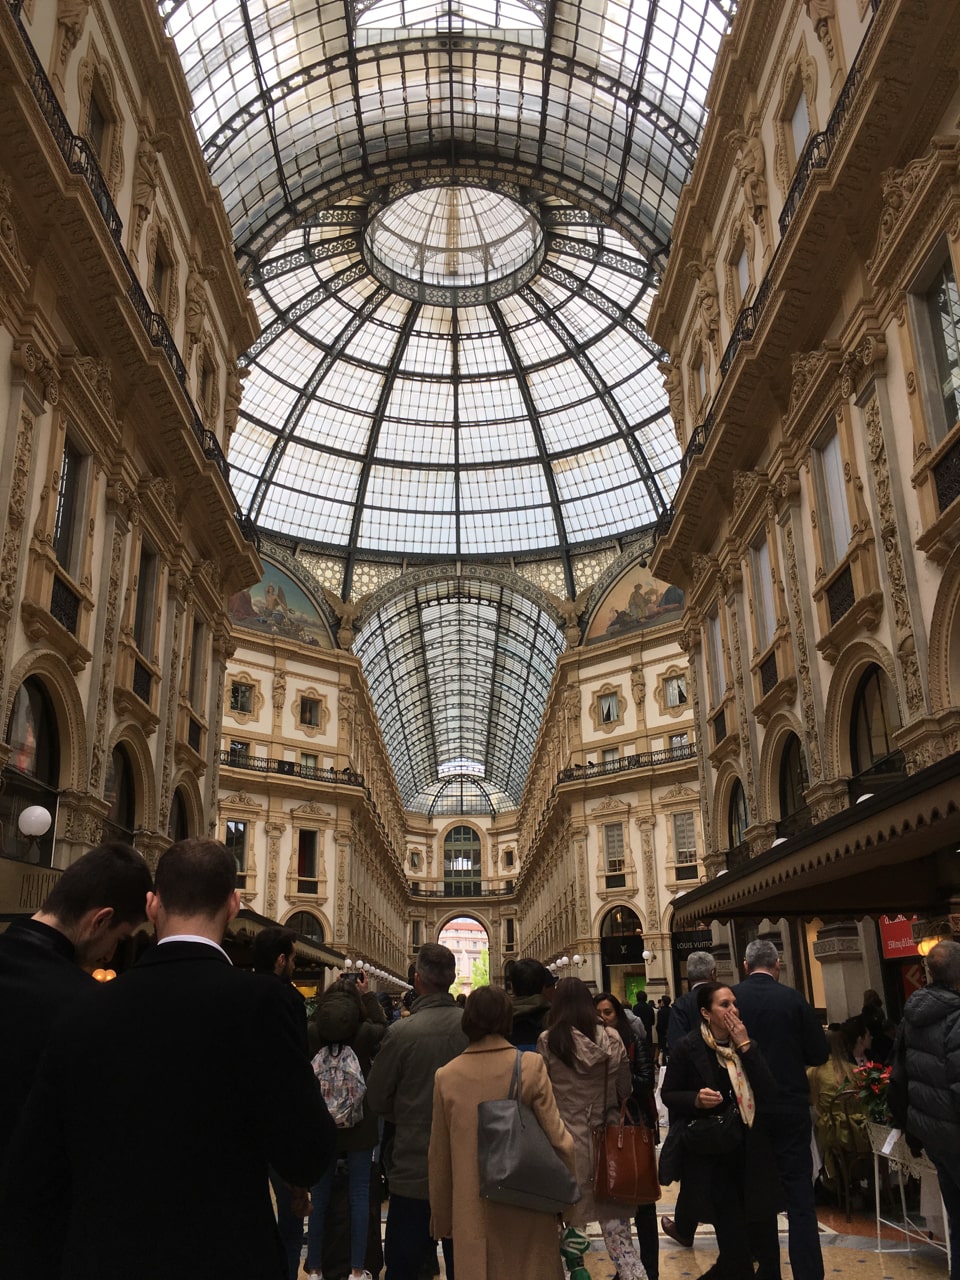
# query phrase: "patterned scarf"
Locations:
[[728, 1058]]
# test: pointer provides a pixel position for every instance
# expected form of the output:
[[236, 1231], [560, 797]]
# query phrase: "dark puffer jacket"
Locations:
[[337, 1019], [925, 1084]]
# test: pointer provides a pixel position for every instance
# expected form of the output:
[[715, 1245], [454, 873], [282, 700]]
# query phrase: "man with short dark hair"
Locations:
[[45, 962], [400, 1088], [789, 1035], [532, 984], [925, 1081], [159, 1105], [274, 952]]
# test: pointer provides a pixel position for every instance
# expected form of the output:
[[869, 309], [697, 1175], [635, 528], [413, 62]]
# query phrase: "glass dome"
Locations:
[[534, 421], [453, 244]]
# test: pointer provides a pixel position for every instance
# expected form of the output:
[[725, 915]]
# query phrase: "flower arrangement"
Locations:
[[872, 1082]]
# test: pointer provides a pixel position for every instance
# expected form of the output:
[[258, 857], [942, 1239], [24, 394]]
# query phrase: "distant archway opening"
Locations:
[[468, 940]]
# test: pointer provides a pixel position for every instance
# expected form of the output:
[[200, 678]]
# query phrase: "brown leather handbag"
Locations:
[[625, 1159]]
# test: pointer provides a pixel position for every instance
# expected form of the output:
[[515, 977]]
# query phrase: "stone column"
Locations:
[[839, 950]]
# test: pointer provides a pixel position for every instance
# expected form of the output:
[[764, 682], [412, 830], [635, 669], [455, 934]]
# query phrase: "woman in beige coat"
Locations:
[[590, 1074], [490, 1240]]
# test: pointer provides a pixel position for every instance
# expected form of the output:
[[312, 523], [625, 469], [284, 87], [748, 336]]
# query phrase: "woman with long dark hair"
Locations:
[[590, 1074], [715, 1068], [634, 1036]]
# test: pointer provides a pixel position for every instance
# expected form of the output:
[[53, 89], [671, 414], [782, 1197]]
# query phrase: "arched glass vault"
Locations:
[[452, 216], [459, 670]]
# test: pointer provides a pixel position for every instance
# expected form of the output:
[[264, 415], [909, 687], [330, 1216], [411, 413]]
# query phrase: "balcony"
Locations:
[[290, 769], [464, 891], [646, 760], [81, 161]]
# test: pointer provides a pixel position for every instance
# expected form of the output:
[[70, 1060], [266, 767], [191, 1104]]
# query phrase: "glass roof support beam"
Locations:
[[344, 339], [635, 268], [217, 147], [533, 414], [303, 306], [599, 385], [273, 268], [488, 734], [609, 308], [263, 93], [390, 376]]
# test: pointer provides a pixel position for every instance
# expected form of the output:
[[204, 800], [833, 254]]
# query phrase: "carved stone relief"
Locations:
[[108, 652], [274, 832], [893, 557], [16, 515], [807, 703]]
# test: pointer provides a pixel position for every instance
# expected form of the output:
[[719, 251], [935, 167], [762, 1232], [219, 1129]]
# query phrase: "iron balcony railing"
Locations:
[[81, 160], [646, 760], [290, 769], [472, 890], [816, 155]]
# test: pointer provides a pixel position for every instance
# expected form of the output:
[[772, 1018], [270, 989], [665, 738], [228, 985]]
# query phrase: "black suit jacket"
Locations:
[[685, 1017], [145, 1143], [39, 979], [788, 1032]]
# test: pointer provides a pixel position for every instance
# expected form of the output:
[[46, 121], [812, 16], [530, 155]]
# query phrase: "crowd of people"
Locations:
[[188, 1117]]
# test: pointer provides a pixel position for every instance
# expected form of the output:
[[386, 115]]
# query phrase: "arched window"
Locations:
[[461, 863], [621, 922], [307, 925], [737, 817], [32, 734], [32, 773], [121, 794], [875, 719], [178, 828], [793, 777]]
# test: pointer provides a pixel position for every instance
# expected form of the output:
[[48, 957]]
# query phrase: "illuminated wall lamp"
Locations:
[[926, 945]]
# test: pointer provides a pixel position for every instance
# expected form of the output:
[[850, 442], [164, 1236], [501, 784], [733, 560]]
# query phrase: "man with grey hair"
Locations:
[[925, 1082], [400, 1088], [789, 1035], [701, 968]]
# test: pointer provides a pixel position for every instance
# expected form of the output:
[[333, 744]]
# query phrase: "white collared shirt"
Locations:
[[195, 937]]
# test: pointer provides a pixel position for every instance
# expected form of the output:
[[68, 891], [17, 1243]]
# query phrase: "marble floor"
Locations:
[[849, 1251]]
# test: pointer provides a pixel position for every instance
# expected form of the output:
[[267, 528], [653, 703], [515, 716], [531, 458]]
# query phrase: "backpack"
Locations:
[[342, 1085]]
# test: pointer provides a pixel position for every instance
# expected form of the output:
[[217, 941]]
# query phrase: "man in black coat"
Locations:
[[274, 952], [925, 1081], [45, 962], [790, 1037], [159, 1105], [532, 984]]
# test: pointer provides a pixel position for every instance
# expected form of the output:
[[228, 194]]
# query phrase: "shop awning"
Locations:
[[893, 851]]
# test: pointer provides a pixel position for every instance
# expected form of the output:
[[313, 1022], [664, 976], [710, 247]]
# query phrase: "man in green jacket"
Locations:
[[400, 1088]]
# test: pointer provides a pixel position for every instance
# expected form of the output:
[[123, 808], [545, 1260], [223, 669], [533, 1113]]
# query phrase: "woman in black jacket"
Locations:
[[717, 1066]]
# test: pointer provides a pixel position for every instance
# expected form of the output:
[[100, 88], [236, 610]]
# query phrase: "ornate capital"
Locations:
[[37, 374]]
